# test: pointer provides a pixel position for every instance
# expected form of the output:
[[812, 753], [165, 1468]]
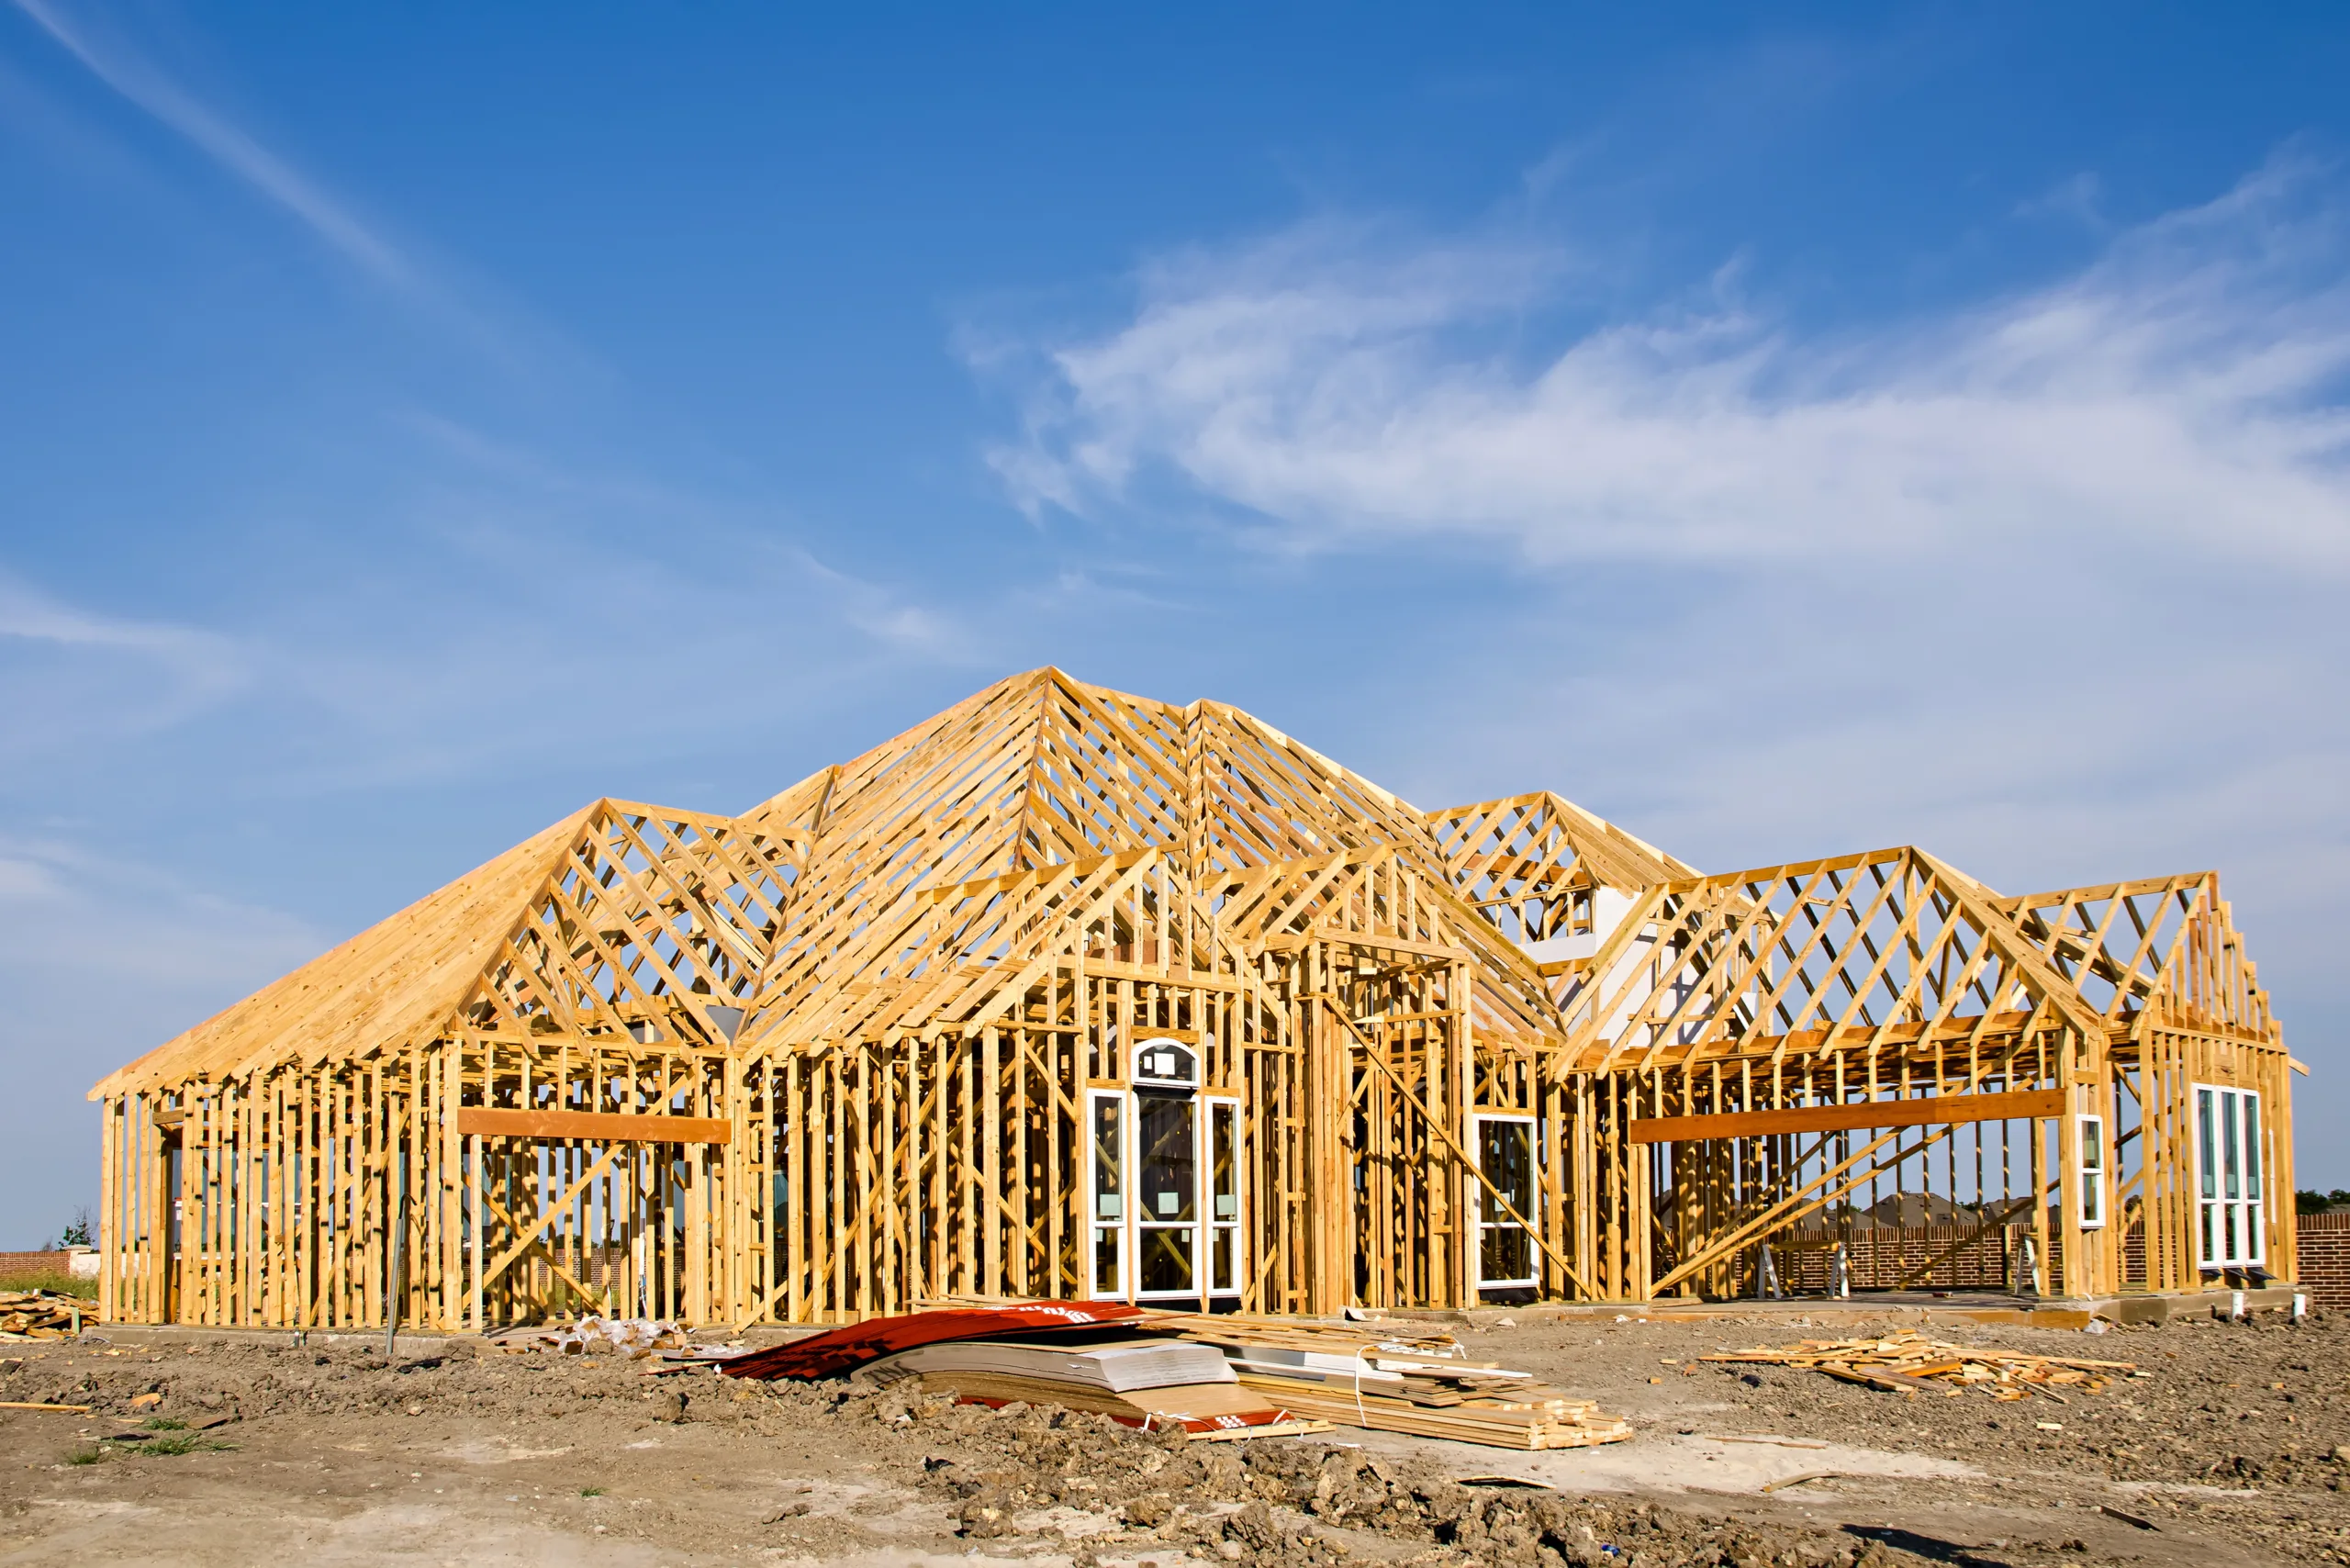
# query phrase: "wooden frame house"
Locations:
[[1070, 993]]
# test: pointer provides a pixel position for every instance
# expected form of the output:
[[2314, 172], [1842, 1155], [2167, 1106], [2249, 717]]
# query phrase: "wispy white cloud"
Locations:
[[481, 586], [2048, 583], [70, 675], [2181, 393], [28, 615], [137, 80], [196, 950]]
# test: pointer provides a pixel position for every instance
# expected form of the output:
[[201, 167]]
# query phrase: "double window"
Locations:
[[2229, 1208]]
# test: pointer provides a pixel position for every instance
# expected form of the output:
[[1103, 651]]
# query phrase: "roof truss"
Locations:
[[1042, 823]]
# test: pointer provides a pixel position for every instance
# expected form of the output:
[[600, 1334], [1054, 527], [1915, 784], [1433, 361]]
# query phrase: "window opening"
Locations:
[[2092, 1130], [1166, 1062], [1109, 1194], [2227, 1147], [1224, 1190], [1506, 1154], [1166, 1193]]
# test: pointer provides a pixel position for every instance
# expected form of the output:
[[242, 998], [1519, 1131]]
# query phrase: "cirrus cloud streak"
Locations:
[[2181, 391]]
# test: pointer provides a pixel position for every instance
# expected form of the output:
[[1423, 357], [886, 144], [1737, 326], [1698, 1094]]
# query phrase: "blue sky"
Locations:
[[1785, 431]]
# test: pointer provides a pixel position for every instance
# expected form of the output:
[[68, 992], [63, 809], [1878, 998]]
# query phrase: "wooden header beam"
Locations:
[[599, 1127], [1932, 1110]]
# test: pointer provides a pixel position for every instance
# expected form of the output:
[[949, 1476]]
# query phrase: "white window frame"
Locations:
[[1122, 1221], [2225, 1128], [1214, 1223], [2089, 1130], [1152, 1057], [1488, 1220]]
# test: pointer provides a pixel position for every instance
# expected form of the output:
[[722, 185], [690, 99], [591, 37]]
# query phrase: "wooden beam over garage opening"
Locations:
[[1931, 1111]]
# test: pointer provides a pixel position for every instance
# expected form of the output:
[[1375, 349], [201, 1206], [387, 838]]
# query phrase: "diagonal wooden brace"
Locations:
[[1436, 1126], [530, 1238]]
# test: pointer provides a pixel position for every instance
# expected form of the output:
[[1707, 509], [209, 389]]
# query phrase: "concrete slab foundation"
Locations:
[[1951, 1307]]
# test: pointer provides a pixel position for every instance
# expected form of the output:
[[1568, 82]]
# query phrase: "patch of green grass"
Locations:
[[165, 1424], [591, 1490], [50, 1280], [186, 1442], [85, 1456]]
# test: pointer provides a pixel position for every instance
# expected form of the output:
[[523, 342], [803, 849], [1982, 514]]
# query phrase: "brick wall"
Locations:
[[1929, 1257], [1939, 1256], [15, 1263], [2324, 1243], [1922, 1257]]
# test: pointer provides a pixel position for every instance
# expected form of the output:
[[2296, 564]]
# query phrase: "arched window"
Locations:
[[1165, 1061]]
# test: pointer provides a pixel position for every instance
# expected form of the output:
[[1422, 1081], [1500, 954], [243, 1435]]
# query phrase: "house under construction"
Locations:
[[1070, 993]]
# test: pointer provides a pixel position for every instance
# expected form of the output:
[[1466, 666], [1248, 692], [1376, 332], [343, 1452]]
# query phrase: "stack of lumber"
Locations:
[[40, 1315], [1389, 1380], [1238, 1327], [1909, 1362], [1151, 1382], [1090, 1356], [1116, 1366], [1521, 1415], [1387, 1376]]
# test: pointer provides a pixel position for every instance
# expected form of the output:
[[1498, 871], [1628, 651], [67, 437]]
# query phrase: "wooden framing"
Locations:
[[845, 1050]]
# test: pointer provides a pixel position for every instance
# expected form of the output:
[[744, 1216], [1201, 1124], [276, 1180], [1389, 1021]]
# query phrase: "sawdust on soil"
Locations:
[[251, 1450]]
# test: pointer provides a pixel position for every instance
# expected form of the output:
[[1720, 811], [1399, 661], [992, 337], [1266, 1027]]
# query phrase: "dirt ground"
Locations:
[[261, 1452]]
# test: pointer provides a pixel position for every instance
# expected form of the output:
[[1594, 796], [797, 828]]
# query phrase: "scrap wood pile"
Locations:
[[630, 1339], [1222, 1375], [1909, 1362], [41, 1315]]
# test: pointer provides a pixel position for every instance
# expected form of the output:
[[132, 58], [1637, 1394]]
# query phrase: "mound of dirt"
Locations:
[[1297, 1504], [2228, 1445]]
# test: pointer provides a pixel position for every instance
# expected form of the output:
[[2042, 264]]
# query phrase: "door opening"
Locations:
[[1506, 1154], [1167, 1170]]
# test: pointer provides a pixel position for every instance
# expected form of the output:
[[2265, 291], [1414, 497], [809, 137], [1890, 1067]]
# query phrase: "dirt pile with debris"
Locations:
[[249, 1449], [255, 1382], [2211, 1401], [1296, 1502], [1016, 1480], [2242, 1427]]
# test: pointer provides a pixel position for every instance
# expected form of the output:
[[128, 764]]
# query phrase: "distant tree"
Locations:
[[2308, 1202], [78, 1233]]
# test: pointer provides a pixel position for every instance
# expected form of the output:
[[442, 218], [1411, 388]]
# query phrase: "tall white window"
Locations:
[[1506, 1154], [1108, 1251], [1224, 1196], [2230, 1210], [2092, 1172]]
